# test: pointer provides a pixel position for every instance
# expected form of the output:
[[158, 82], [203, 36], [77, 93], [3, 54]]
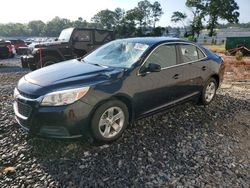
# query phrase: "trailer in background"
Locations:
[[235, 44]]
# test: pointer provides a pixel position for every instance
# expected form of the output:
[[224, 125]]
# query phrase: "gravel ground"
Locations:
[[187, 146]]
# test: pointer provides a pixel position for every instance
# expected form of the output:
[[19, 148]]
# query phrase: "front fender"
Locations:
[[44, 52]]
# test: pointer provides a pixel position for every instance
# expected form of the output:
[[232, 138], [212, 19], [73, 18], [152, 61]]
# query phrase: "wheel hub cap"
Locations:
[[210, 91], [111, 122]]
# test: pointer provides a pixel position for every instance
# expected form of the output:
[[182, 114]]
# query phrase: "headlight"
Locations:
[[35, 51], [64, 97]]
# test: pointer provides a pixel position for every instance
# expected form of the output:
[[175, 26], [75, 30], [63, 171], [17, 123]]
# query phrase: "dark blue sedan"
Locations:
[[111, 87]]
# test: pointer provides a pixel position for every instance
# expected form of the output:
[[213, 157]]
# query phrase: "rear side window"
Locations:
[[82, 36], [200, 54], [165, 56], [190, 53], [102, 36]]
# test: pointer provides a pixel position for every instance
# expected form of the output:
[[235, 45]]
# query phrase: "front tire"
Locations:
[[109, 121], [49, 60], [209, 91], [24, 64]]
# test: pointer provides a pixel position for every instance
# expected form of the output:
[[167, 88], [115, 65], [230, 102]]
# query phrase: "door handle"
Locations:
[[176, 76], [204, 68]]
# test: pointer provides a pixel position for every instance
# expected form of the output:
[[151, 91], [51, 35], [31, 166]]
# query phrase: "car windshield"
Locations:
[[65, 34], [119, 53]]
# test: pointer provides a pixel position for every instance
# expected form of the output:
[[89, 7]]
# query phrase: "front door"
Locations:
[[157, 89], [65, 50]]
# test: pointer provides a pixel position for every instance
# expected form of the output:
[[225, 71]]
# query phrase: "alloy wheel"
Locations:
[[210, 91], [111, 122]]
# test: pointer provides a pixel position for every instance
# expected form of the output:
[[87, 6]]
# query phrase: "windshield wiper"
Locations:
[[82, 60], [96, 64]]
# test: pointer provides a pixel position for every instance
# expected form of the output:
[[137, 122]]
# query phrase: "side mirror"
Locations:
[[56, 39], [152, 67]]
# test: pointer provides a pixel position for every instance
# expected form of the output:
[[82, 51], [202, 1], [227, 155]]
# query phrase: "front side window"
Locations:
[[165, 56], [118, 53], [65, 34]]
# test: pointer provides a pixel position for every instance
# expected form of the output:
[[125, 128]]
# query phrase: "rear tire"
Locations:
[[209, 91], [109, 121]]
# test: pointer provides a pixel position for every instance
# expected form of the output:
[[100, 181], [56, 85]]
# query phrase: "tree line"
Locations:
[[139, 21], [210, 12], [125, 23]]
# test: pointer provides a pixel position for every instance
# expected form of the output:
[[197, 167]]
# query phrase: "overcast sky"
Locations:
[[24, 11]]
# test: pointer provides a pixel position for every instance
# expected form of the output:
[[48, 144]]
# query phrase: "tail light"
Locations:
[[222, 70]]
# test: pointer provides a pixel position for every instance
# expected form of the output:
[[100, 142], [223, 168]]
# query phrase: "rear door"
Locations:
[[192, 65]]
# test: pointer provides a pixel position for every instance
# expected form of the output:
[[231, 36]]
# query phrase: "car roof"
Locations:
[[154, 40], [90, 29]]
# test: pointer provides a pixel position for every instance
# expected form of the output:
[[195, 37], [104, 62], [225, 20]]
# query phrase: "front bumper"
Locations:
[[23, 51], [28, 61], [58, 122]]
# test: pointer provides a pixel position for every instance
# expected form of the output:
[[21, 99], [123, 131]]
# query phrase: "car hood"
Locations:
[[47, 44], [72, 73]]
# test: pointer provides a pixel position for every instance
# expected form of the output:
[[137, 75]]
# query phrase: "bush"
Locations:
[[239, 55], [227, 53], [191, 38]]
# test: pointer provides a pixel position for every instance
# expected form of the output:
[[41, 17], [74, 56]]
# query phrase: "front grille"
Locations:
[[23, 51], [23, 123], [24, 109]]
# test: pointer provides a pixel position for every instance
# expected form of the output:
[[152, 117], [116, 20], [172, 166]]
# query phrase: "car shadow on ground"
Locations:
[[182, 142]]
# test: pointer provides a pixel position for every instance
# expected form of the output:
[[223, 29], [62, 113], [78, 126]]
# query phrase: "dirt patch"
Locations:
[[236, 70]]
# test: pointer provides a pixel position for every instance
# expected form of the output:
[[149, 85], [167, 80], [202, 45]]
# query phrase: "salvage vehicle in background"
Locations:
[[72, 43], [111, 87], [7, 50], [24, 51], [18, 43]]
